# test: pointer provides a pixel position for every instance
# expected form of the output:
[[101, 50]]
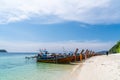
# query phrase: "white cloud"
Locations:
[[86, 11], [55, 46]]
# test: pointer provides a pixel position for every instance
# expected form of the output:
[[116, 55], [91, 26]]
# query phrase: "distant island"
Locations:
[[3, 50], [115, 48]]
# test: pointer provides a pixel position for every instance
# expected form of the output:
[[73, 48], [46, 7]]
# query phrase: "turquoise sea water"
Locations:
[[14, 66]]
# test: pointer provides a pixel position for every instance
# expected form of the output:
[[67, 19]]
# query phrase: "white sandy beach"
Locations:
[[100, 68]]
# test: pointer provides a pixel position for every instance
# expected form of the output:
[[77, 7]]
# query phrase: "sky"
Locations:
[[30, 25]]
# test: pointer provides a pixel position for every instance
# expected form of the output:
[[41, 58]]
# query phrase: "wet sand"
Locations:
[[100, 68]]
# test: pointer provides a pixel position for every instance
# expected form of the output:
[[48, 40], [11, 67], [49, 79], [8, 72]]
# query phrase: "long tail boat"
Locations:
[[54, 58], [59, 60], [64, 59]]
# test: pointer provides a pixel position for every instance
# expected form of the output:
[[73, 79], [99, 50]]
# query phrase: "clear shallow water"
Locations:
[[14, 66]]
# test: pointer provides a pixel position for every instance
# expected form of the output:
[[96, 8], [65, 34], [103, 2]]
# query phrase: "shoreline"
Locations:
[[99, 68]]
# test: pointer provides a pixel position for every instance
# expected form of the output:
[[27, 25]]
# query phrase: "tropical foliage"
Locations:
[[115, 48]]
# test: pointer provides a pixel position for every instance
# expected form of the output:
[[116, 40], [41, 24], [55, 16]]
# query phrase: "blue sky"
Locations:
[[27, 27]]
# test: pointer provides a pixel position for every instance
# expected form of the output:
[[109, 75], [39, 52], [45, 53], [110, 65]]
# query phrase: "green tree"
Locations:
[[115, 48]]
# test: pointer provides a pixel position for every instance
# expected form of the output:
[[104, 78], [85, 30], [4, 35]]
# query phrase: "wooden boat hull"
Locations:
[[77, 58], [65, 60]]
